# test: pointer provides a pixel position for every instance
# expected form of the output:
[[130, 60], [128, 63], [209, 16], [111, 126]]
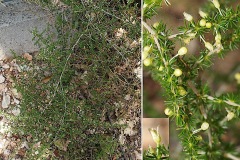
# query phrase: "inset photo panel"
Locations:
[[155, 138]]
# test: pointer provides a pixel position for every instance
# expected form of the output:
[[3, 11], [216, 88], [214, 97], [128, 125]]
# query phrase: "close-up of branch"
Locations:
[[201, 116]]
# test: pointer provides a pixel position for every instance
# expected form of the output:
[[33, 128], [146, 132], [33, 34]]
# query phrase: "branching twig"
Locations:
[[60, 78], [225, 101], [175, 35], [155, 39], [230, 156]]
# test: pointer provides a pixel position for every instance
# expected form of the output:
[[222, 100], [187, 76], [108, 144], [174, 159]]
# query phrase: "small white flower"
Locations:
[[216, 3], [202, 14], [209, 46], [155, 135], [187, 16]]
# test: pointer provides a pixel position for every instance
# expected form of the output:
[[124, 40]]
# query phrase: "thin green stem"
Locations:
[[231, 103], [155, 39]]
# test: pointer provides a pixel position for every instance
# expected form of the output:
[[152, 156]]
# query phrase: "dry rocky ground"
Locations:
[[14, 146]]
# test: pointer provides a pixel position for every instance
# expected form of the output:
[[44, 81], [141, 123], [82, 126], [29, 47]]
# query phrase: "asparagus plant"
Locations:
[[201, 115]]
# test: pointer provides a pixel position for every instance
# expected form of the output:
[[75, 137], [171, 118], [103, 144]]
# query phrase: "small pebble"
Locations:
[[2, 79], [5, 101]]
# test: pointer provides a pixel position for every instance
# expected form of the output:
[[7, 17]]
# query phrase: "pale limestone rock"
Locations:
[[5, 101], [2, 78], [16, 111]]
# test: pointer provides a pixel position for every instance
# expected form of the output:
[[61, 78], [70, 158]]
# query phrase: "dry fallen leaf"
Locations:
[[21, 152], [27, 56], [46, 79], [56, 153], [61, 144]]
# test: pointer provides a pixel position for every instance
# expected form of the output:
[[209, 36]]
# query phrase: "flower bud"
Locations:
[[155, 135], [218, 38], [147, 62], [182, 51], [216, 3], [230, 116], [204, 126], [190, 36], [209, 46], [177, 72], [202, 22], [187, 16], [208, 25], [202, 14]]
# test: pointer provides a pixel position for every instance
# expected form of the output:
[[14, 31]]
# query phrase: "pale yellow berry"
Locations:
[[182, 51], [177, 72], [230, 116], [168, 112], [155, 135], [199, 138], [161, 68], [209, 46], [208, 25], [204, 126], [147, 62], [182, 91], [237, 77], [202, 14], [155, 25], [187, 16], [202, 22]]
